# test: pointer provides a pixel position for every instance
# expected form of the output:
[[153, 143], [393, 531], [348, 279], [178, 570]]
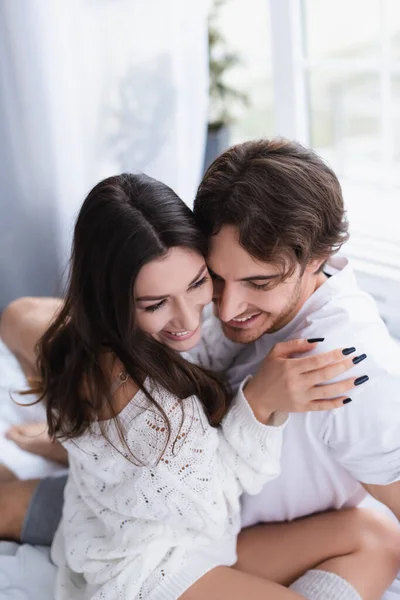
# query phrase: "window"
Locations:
[[337, 89], [245, 26]]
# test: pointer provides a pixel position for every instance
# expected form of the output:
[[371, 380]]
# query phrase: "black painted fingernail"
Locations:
[[361, 380], [347, 400], [314, 340], [358, 359], [347, 351]]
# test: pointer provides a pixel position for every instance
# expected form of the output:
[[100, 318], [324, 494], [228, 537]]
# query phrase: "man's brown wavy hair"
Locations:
[[284, 199]]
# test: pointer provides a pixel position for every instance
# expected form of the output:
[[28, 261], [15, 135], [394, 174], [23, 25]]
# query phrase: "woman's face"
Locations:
[[170, 294]]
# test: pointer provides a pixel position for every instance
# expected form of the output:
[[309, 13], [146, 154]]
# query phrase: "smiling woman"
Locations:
[[173, 315]]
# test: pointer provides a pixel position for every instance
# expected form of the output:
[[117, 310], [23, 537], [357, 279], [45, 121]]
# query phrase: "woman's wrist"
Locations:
[[257, 401]]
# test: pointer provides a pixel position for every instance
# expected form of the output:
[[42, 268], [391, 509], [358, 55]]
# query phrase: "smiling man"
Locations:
[[274, 216]]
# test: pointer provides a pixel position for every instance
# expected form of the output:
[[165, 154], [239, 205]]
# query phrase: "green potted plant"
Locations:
[[222, 96]]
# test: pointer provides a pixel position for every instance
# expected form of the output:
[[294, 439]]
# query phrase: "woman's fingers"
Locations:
[[319, 361], [328, 404], [297, 346], [331, 371], [334, 390]]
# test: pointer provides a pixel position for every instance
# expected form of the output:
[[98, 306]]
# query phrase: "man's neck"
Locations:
[[321, 279], [313, 285], [305, 293]]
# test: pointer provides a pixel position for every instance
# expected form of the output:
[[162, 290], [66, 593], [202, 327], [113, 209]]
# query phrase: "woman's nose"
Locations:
[[188, 316]]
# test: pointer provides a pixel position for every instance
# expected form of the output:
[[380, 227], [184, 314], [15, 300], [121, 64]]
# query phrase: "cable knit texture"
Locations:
[[322, 585], [149, 532]]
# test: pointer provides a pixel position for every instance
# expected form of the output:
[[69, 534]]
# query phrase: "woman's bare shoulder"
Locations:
[[122, 387]]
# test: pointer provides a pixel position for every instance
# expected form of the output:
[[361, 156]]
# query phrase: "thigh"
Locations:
[[222, 583], [23, 323], [282, 552]]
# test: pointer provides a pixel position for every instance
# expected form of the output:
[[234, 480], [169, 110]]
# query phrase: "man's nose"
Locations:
[[229, 303]]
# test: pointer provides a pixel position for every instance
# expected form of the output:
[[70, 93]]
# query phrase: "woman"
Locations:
[[159, 454]]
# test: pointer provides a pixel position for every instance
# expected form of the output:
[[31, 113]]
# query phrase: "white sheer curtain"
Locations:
[[90, 88]]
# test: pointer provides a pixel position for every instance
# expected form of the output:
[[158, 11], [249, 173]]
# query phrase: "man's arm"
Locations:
[[387, 494], [365, 437]]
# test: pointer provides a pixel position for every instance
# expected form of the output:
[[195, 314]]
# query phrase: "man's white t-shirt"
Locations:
[[327, 454]]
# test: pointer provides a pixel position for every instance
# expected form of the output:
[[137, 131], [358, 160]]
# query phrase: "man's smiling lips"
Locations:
[[243, 322]]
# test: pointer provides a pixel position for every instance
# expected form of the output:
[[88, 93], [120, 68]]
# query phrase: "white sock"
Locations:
[[322, 585]]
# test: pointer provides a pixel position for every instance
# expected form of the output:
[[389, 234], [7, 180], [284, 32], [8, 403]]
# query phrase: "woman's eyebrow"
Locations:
[[203, 268], [151, 298]]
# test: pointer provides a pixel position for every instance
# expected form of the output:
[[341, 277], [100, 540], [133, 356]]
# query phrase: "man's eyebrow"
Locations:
[[251, 278], [259, 277], [151, 298]]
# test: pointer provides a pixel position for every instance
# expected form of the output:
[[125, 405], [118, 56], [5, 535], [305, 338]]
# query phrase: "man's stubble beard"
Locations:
[[248, 336]]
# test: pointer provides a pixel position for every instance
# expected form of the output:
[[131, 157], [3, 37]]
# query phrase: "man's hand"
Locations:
[[387, 494]]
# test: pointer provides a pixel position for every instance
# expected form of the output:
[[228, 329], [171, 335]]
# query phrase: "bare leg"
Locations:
[[22, 324], [6, 474], [360, 546], [15, 498], [222, 583]]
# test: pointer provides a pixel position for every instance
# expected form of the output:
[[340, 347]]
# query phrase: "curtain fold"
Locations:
[[90, 88]]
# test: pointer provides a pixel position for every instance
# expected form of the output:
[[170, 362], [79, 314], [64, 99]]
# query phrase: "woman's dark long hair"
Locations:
[[125, 222]]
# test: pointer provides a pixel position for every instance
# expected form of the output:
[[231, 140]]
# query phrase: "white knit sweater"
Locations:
[[149, 532]]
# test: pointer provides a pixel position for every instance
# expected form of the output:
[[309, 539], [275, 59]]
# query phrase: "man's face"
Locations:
[[249, 297]]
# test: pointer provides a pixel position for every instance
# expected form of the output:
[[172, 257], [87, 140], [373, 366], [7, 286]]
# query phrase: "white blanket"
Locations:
[[12, 381]]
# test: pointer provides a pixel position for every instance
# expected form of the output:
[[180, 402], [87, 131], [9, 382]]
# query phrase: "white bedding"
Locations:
[[26, 572], [12, 381]]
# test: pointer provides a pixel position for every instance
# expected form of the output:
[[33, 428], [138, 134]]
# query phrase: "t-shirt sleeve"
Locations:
[[364, 436]]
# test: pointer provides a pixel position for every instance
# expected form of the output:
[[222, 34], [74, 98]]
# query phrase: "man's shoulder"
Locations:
[[351, 319]]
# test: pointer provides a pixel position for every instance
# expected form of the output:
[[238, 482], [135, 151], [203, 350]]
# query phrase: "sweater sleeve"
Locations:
[[251, 449]]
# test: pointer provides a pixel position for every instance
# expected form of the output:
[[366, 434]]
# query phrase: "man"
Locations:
[[274, 216]]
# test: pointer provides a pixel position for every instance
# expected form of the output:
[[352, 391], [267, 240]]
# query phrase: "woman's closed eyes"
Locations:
[[198, 284]]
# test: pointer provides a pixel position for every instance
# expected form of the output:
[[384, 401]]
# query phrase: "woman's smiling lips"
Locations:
[[179, 336]]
